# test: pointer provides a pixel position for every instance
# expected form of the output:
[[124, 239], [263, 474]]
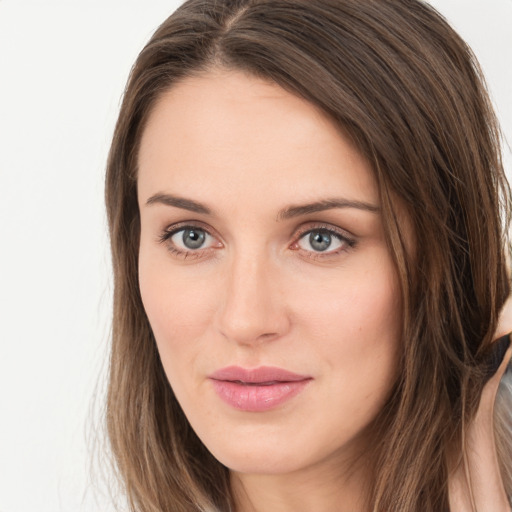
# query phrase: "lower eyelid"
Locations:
[[326, 255], [185, 255]]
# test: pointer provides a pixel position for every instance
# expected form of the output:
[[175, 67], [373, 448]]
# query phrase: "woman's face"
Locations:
[[265, 273]]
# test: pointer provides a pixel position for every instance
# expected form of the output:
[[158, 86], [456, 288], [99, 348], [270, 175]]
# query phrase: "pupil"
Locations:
[[193, 239], [320, 241]]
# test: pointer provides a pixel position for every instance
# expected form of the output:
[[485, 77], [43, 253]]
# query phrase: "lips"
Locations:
[[259, 389]]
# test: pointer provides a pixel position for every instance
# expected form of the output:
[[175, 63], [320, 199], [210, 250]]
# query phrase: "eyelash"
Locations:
[[347, 241], [168, 233]]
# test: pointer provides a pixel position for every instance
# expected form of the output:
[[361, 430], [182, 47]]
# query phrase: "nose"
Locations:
[[252, 307]]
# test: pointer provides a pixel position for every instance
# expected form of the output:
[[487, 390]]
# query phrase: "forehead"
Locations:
[[227, 130]]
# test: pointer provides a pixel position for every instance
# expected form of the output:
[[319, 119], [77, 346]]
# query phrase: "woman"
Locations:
[[305, 203]]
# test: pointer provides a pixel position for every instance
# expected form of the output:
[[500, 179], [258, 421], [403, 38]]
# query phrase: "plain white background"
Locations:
[[63, 66]]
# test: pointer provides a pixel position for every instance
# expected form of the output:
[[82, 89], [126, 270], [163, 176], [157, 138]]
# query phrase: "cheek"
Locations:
[[353, 324], [353, 306], [179, 306]]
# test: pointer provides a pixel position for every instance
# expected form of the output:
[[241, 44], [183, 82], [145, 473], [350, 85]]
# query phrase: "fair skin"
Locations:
[[234, 270]]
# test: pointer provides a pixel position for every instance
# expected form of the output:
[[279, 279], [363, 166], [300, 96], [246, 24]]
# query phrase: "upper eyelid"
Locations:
[[312, 226], [179, 226]]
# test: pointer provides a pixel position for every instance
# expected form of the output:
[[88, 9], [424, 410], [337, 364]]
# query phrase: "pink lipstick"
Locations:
[[258, 389]]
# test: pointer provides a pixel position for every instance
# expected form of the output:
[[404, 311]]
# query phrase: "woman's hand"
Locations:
[[476, 485]]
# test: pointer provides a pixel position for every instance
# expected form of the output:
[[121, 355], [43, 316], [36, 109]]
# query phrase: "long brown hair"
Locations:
[[407, 89]]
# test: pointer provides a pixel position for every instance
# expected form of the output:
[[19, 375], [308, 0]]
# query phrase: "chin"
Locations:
[[273, 455], [260, 463]]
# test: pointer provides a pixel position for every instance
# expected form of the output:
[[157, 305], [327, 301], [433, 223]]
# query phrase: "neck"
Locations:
[[323, 489]]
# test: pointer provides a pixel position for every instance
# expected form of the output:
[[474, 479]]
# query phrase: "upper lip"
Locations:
[[260, 375]]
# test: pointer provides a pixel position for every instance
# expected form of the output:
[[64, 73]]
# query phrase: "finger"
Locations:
[[477, 484]]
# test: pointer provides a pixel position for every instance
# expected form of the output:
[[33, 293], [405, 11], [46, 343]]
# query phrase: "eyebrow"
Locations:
[[179, 202], [284, 214], [326, 204]]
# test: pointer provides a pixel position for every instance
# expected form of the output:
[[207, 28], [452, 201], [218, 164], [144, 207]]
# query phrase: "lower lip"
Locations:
[[257, 398]]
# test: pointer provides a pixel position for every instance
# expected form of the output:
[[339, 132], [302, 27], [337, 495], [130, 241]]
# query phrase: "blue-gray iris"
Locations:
[[193, 238], [320, 240]]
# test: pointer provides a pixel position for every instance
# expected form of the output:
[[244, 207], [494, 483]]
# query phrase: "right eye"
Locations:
[[188, 240]]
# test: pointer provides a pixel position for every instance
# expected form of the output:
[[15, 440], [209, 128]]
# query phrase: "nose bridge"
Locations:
[[252, 307]]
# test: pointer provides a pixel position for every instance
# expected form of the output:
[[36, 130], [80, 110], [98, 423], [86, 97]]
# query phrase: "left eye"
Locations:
[[320, 240], [191, 238]]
